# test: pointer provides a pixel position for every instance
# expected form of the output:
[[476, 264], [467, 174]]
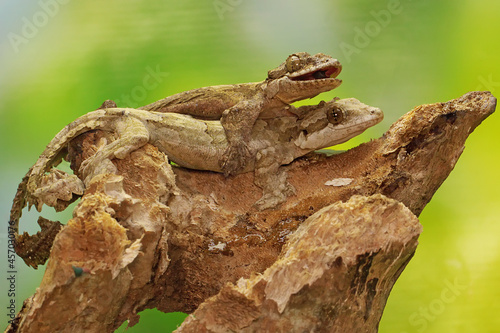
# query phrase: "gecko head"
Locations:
[[304, 76], [335, 122]]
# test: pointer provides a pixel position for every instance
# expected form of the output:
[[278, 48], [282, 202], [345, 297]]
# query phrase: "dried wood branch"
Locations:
[[184, 240], [333, 275]]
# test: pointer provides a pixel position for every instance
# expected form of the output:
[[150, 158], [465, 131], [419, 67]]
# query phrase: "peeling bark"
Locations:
[[333, 275], [183, 240]]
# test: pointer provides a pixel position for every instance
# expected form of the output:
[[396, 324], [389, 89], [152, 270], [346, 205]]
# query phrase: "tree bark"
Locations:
[[183, 240]]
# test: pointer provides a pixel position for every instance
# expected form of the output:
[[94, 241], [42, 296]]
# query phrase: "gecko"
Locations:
[[299, 77], [190, 143]]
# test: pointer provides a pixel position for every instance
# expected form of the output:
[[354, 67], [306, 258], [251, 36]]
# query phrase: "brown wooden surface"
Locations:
[[156, 236]]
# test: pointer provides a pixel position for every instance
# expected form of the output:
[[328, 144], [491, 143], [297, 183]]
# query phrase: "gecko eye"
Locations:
[[292, 63], [335, 115]]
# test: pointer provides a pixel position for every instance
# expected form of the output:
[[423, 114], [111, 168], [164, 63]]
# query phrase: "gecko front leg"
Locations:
[[272, 179], [238, 122]]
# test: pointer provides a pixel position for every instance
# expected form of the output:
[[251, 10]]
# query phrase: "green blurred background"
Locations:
[[60, 59]]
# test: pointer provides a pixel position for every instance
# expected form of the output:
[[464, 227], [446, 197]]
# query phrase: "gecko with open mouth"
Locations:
[[238, 106]]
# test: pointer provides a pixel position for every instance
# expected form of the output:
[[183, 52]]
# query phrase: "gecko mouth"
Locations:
[[328, 72]]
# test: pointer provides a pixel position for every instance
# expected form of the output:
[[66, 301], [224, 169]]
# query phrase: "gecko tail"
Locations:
[[19, 202]]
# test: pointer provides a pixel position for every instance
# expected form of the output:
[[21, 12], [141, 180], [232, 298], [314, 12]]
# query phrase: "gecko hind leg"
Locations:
[[132, 134]]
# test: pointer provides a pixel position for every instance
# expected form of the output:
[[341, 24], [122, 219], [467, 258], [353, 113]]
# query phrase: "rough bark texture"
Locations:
[[334, 274], [184, 240]]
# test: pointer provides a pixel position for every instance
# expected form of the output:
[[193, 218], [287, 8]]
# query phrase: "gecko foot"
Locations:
[[235, 159], [272, 199], [94, 166]]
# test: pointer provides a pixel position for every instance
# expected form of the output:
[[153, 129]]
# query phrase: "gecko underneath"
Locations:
[[193, 143]]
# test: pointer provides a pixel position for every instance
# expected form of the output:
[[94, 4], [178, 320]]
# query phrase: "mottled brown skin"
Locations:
[[238, 106]]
